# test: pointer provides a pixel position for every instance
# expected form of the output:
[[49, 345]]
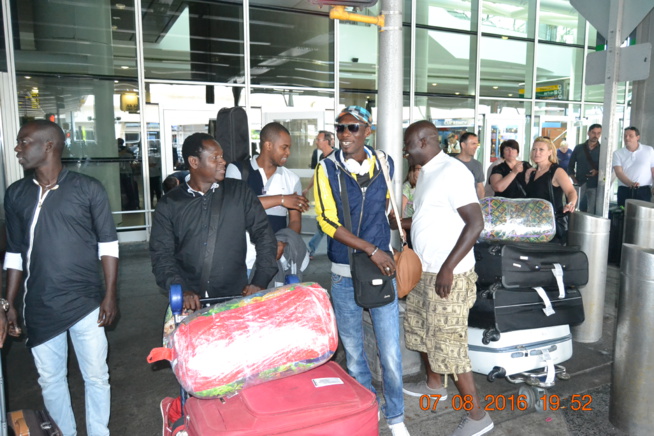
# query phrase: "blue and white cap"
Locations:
[[357, 112]]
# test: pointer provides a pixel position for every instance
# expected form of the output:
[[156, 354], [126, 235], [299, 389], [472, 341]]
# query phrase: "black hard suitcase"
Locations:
[[616, 235], [233, 133], [502, 310], [526, 265]]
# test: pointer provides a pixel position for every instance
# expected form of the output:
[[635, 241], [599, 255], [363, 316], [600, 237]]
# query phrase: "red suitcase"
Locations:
[[324, 401]]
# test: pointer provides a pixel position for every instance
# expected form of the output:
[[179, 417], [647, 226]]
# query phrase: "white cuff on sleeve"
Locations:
[[13, 261], [108, 249]]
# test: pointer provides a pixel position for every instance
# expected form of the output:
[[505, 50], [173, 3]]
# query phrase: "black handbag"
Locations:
[[371, 287], [560, 218]]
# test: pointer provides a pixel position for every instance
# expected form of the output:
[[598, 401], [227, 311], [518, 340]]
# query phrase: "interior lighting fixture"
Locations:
[[124, 67], [434, 84], [510, 95], [495, 87], [120, 6], [28, 77]]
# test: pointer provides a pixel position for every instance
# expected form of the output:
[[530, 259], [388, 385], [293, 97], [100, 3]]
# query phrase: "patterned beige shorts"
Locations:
[[438, 326]]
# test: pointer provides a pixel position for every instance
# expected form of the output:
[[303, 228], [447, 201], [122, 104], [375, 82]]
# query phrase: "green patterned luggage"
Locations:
[[526, 219]]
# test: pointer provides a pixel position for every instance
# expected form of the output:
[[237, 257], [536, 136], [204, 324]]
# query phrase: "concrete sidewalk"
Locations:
[[137, 387]]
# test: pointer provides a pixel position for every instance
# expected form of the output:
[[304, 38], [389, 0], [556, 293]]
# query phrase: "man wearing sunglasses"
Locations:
[[367, 192]]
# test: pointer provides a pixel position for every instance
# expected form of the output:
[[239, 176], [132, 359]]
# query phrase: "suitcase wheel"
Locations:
[[490, 335], [533, 396], [497, 371]]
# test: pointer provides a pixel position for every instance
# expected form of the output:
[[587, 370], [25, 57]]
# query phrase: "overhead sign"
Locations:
[[634, 64], [597, 13]]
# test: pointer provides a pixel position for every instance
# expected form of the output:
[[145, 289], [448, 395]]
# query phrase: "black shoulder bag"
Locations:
[[371, 287], [560, 218]]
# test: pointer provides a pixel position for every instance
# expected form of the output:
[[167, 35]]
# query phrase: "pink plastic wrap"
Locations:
[[222, 349], [525, 219]]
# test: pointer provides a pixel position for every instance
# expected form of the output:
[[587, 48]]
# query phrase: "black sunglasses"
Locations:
[[353, 128]]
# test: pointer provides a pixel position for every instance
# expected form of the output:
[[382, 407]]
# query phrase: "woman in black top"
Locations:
[[548, 179], [507, 179]]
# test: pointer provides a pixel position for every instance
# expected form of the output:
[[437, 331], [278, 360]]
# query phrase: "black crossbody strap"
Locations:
[[588, 157], [347, 219], [212, 236]]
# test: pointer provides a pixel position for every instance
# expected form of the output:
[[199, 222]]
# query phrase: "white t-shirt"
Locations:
[[637, 165], [444, 186], [283, 181]]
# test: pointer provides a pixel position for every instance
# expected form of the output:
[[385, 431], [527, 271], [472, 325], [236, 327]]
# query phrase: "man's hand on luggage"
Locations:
[[191, 300], [250, 289]]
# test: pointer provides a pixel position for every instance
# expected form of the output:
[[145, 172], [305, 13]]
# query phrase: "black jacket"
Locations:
[[181, 225]]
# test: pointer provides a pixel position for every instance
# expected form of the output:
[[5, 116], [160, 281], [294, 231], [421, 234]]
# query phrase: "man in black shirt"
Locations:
[[198, 230], [58, 224], [583, 168]]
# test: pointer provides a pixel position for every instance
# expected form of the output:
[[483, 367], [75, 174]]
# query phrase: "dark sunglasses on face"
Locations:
[[353, 128]]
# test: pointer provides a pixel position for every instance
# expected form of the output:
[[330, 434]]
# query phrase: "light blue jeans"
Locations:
[[51, 358], [386, 324], [315, 241]]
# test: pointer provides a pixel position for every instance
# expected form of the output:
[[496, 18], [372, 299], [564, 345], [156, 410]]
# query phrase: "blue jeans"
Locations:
[[51, 359], [315, 241], [386, 324]]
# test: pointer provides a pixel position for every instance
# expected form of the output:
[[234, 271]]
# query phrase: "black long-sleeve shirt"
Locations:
[[180, 228], [55, 241]]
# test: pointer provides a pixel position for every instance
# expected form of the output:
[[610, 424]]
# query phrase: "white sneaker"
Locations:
[[399, 429]]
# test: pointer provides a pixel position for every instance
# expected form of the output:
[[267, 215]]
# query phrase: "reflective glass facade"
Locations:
[[152, 72]]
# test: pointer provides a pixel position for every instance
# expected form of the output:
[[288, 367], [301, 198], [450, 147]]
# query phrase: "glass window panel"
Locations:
[[89, 37], [502, 120], [93, 114], [443, 13], [291, 49], [559, 121], [194, 40], [506, 67], [445, 62], [510, 18], [559, 72], [449, 115], [303, 113], [358, 62], [595, 93], [558, 21]]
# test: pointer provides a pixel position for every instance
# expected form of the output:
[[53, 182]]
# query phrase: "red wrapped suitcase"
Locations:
[[324, 401]]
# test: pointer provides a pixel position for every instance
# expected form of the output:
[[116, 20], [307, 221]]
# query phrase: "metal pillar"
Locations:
[[639, 223], [591, 234], [389, 114], [609, 122], [633, 355]]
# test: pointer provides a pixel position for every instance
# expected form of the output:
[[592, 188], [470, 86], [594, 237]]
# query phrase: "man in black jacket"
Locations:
[[198, 230]]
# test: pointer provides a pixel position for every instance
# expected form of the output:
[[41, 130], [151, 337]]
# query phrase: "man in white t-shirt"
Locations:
[[278, 188], [634, 167], [444, 227]]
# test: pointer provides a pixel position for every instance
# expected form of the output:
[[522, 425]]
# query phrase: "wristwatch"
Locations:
[[4, 304]]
